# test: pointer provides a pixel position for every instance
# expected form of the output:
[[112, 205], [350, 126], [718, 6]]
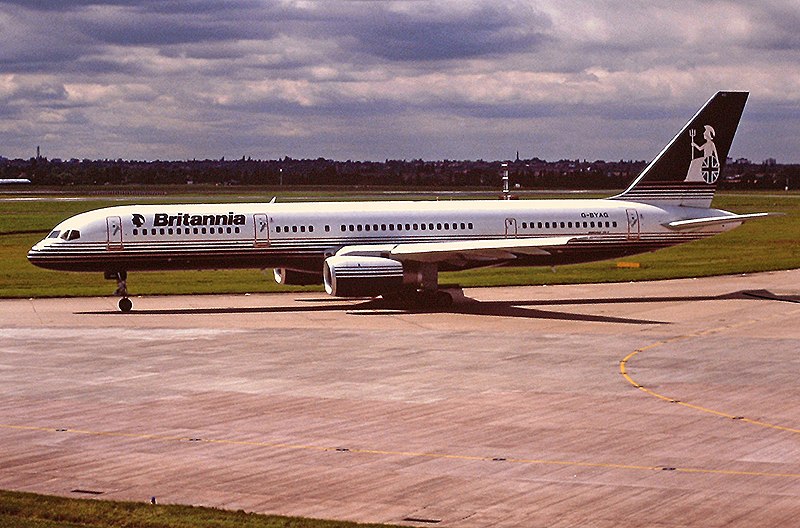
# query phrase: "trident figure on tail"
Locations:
[[706, 167]]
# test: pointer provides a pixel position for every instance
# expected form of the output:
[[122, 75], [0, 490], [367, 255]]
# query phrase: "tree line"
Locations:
[[525, 173]]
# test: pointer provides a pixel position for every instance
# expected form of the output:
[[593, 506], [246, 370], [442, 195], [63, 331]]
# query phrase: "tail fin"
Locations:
[[686, 171]]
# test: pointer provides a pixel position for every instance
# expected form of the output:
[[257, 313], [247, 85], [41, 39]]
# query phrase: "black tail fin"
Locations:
[[686, 171]]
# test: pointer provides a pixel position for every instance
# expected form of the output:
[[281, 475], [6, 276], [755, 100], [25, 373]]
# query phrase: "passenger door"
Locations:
[[261, 226], [511, 228], [634, 227], [114, 231]]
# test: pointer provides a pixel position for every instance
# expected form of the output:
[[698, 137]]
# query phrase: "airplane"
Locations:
[[14, 181], [396, 249]]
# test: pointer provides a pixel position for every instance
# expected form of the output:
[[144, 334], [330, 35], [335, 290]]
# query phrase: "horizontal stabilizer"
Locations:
[[693, 223]]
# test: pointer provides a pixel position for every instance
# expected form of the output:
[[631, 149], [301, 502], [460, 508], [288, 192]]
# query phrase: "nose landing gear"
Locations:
[[124, 304]]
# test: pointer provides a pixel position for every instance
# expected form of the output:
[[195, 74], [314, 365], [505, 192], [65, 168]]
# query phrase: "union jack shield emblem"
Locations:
[[710, 169]]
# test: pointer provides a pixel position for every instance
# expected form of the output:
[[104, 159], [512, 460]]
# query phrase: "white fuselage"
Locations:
[[301, 235]]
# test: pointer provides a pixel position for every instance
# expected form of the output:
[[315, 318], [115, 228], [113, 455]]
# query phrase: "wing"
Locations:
[[459, 251]]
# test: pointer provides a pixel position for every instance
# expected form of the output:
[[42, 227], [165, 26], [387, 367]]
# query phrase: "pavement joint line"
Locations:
[[431, 455], [623, 368]]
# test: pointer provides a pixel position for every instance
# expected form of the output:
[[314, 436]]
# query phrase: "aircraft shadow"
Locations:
[[525, 309]]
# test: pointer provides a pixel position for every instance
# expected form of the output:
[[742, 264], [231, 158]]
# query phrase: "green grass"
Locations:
[[759, 245], [28, 510]]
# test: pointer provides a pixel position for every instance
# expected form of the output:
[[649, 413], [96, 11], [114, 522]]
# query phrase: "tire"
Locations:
[[125, 305]]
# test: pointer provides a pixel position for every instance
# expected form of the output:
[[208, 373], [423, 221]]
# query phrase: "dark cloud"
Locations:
[[776, 27], [489, 29]]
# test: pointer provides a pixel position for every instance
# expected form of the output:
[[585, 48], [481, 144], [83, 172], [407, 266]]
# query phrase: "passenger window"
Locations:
[[469, 225], [422, 227], [366, 227], [203, 230], [327, 228], [563, 225], [439, 226], [302, 229], [374, 227], [310, 229], [294, 229], [344, 228], [415, 227], [430, 226], [614, 224], [408, 227], [358, 227], [463, 226], [135, 232]]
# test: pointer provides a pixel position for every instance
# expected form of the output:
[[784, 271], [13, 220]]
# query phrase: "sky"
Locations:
[[371, 80]]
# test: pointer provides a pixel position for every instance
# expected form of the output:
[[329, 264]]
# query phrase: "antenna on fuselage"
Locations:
[[274, 199]]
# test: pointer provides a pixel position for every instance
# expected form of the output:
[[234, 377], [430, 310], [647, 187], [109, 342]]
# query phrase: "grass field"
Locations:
[[27, 510], [761, 245]]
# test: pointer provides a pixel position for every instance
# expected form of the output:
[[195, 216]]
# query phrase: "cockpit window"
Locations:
[[71, 234], [54, 234]]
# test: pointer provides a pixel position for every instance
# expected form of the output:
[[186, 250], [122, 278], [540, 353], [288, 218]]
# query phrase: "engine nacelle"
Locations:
[[360, 276], [291, 277]]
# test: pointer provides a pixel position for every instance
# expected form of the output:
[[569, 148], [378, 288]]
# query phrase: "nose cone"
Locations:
[[37, 255], [34, 254]]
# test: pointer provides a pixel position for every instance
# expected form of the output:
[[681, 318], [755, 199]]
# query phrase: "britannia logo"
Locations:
[[706, 167], [138, 220]]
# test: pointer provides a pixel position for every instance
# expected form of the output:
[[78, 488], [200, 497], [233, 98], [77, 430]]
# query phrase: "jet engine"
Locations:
[[292, 277], [362, 276]]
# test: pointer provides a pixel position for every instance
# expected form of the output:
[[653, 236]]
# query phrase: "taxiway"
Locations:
[[670, 403]]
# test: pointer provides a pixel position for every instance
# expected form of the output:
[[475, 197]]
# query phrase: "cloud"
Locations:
[[347, 79], [448, 31]]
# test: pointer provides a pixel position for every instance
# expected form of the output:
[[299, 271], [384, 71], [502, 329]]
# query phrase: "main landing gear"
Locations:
[[124, 304]]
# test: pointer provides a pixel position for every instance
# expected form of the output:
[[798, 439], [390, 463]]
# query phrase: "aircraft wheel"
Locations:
[[125, 305]]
